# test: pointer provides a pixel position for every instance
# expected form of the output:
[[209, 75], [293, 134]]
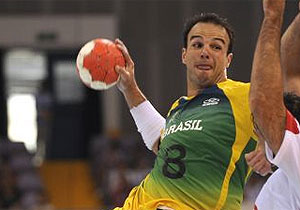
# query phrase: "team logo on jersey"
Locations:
[[211, 101]]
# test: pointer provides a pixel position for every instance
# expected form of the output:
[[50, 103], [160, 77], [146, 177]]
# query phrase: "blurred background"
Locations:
[[64, 146]]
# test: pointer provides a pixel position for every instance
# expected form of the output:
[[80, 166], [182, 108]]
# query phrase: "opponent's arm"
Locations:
[[290, 56], [147, 119], [266, 91]]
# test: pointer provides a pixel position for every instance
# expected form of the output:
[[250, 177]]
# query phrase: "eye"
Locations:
[[197, 44], [216, 47]]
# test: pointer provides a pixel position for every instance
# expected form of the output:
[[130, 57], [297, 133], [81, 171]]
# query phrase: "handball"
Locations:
[[96, 63]]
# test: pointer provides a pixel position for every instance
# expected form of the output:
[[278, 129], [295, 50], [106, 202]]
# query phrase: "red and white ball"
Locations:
[[96, 63]]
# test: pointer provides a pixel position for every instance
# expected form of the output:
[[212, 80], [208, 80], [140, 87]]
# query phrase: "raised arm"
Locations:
[[147, 119], [127, 84], [290, 56], [266, 92]]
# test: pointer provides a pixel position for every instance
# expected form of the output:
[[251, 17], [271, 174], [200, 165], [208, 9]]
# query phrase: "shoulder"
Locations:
[[232, 84], [235, 89], [179, 102], [175, 105]]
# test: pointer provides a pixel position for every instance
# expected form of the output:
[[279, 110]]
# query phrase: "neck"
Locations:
[[192, 90]]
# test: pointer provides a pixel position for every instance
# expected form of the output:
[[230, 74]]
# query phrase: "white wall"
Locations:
[[71, 31]]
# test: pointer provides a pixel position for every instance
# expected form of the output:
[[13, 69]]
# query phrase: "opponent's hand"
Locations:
[[258, 162], [273, 8], [127, 79]]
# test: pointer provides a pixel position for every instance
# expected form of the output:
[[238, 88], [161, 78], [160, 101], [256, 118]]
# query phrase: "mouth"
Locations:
[[203, 67]]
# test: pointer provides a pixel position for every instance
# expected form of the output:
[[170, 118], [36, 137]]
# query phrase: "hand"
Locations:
[[273, 8], [258, 162], [127, 79]]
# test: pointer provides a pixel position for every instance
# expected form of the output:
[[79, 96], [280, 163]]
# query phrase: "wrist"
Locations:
[[272, 25], [274, 21], [149, 123], [130, 89], [133, 96]]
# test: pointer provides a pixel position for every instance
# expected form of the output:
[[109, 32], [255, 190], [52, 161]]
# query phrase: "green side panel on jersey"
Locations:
[[237, 182]]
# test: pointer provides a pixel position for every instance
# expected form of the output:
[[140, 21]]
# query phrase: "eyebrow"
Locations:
[[217, 39]]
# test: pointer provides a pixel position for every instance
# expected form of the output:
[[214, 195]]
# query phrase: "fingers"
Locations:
[[264, 168], [249, 156], [252, 158], [125, 52], [127, 81], [120, 70], [258, 162], [124, 77]]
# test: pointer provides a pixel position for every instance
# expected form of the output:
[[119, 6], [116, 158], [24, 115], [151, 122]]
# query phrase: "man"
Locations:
[[274, 122], [200, 160]]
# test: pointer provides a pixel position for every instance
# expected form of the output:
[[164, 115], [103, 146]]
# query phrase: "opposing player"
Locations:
[[200, 160], [276, 118]]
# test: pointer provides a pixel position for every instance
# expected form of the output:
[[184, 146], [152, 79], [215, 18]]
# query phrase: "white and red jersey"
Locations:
[[282, 189]]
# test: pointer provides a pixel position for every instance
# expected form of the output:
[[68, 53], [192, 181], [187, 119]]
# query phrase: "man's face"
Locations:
[[206, 56]]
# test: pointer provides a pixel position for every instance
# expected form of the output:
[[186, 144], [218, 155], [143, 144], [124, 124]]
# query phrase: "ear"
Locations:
[[183, 55], [229, 59]]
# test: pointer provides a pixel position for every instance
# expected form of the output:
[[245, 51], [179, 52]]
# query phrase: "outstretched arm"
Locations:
[[290, 56], [266, 92]]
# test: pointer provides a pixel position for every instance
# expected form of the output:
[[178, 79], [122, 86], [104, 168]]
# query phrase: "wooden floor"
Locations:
[[69, 185]]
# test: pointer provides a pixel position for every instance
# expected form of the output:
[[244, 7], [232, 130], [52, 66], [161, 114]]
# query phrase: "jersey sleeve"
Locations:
[[288, 156]]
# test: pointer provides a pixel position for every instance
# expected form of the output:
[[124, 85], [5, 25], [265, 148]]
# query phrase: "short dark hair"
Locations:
[[292, 103], [208, 18]]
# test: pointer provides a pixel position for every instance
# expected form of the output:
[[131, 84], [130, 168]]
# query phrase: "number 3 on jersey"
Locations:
[[174, 167]]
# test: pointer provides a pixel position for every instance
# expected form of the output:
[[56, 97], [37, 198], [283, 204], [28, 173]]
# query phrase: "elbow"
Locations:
[[262, 110]]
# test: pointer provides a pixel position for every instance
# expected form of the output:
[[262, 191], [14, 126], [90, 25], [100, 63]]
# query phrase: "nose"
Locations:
[[204, 53]]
